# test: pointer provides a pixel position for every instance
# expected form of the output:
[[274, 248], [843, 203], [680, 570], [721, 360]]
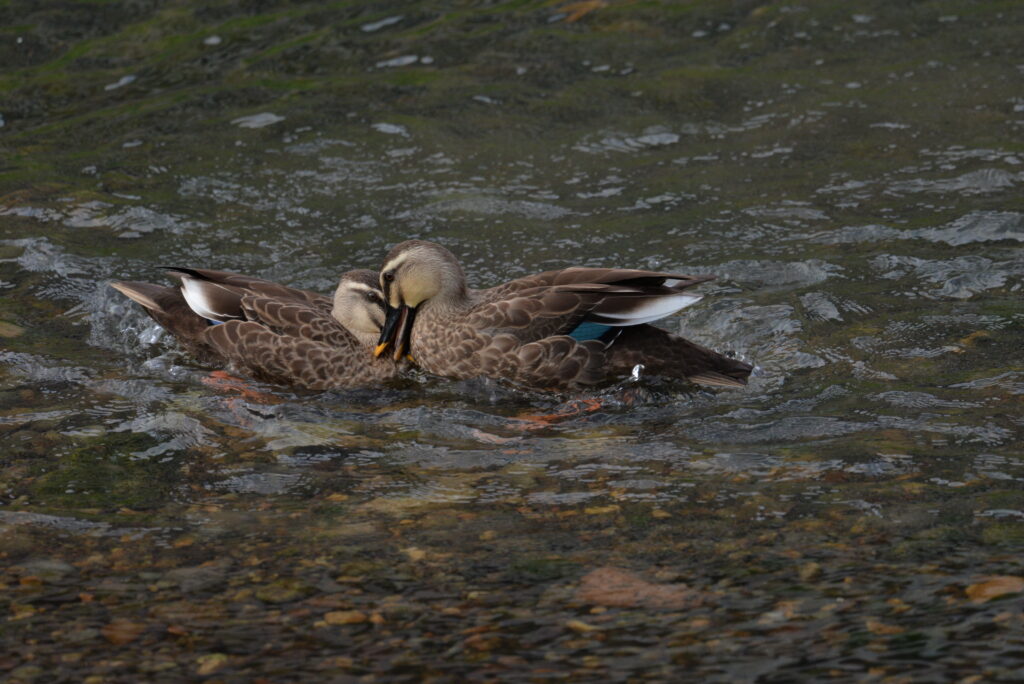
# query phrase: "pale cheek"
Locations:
[[418, 289]]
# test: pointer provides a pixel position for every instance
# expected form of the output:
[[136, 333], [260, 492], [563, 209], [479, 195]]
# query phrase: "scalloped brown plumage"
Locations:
[[521, 330], [272, 332]]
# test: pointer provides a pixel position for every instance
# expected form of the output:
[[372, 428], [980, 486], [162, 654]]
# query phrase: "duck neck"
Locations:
[[366, 339], [453, 298]]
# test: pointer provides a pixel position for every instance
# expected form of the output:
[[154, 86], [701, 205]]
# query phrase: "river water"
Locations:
[[853, 178]]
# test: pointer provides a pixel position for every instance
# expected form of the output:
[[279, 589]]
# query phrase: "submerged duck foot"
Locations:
[[572, 409], [223, 381]]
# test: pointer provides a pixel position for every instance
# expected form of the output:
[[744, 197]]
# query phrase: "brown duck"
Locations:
[[554, 330], [272, 332]]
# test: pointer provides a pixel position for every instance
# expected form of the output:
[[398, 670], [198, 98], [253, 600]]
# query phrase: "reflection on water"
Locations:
[[845, 514]]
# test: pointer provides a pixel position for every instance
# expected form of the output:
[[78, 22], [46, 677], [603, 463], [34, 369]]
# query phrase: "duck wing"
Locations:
[[217, 295], [539, 312], [578, 275], [295, 318], [627, 276]]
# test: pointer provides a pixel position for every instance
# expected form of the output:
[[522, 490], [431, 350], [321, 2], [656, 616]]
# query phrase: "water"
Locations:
[[852, 178]]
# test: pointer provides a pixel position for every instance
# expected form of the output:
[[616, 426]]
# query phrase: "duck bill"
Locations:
[[388, 333], [397, 331]]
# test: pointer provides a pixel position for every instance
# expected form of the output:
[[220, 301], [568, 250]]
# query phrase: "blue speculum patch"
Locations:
[[589, 331]]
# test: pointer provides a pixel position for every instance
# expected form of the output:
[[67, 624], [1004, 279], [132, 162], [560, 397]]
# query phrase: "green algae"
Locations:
[[456, 526]]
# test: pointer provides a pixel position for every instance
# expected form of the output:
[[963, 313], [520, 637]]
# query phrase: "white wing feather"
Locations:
[[650, 310]]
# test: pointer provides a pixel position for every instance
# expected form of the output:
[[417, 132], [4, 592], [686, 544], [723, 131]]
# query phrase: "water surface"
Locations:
[[853, 178]]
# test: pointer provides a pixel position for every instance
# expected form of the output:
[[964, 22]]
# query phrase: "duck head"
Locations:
[[414, 273], [359, 305]]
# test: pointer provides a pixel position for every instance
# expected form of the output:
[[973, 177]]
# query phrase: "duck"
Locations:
[[272, 332], [557, 330]]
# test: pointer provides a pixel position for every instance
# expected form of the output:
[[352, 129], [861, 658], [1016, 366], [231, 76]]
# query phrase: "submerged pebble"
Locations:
[[854, 509]]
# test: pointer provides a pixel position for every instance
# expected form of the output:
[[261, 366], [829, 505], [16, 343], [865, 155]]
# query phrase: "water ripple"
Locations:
[[978, 226]]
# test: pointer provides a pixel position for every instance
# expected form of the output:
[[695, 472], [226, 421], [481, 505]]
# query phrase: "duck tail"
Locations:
[[722, 379], [707, 367], [167, 306], [146, 295], [663, 353]]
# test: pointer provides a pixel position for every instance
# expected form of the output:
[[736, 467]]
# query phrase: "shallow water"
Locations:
[[852, 178]]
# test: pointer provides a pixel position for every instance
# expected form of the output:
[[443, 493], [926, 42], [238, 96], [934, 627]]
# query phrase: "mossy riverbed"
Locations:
[[851, 175]]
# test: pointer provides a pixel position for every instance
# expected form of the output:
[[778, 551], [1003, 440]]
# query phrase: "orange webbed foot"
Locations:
[[225, 382], [572, 409]]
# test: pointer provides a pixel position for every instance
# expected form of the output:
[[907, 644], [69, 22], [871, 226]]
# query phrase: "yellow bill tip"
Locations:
[[380, 349]]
